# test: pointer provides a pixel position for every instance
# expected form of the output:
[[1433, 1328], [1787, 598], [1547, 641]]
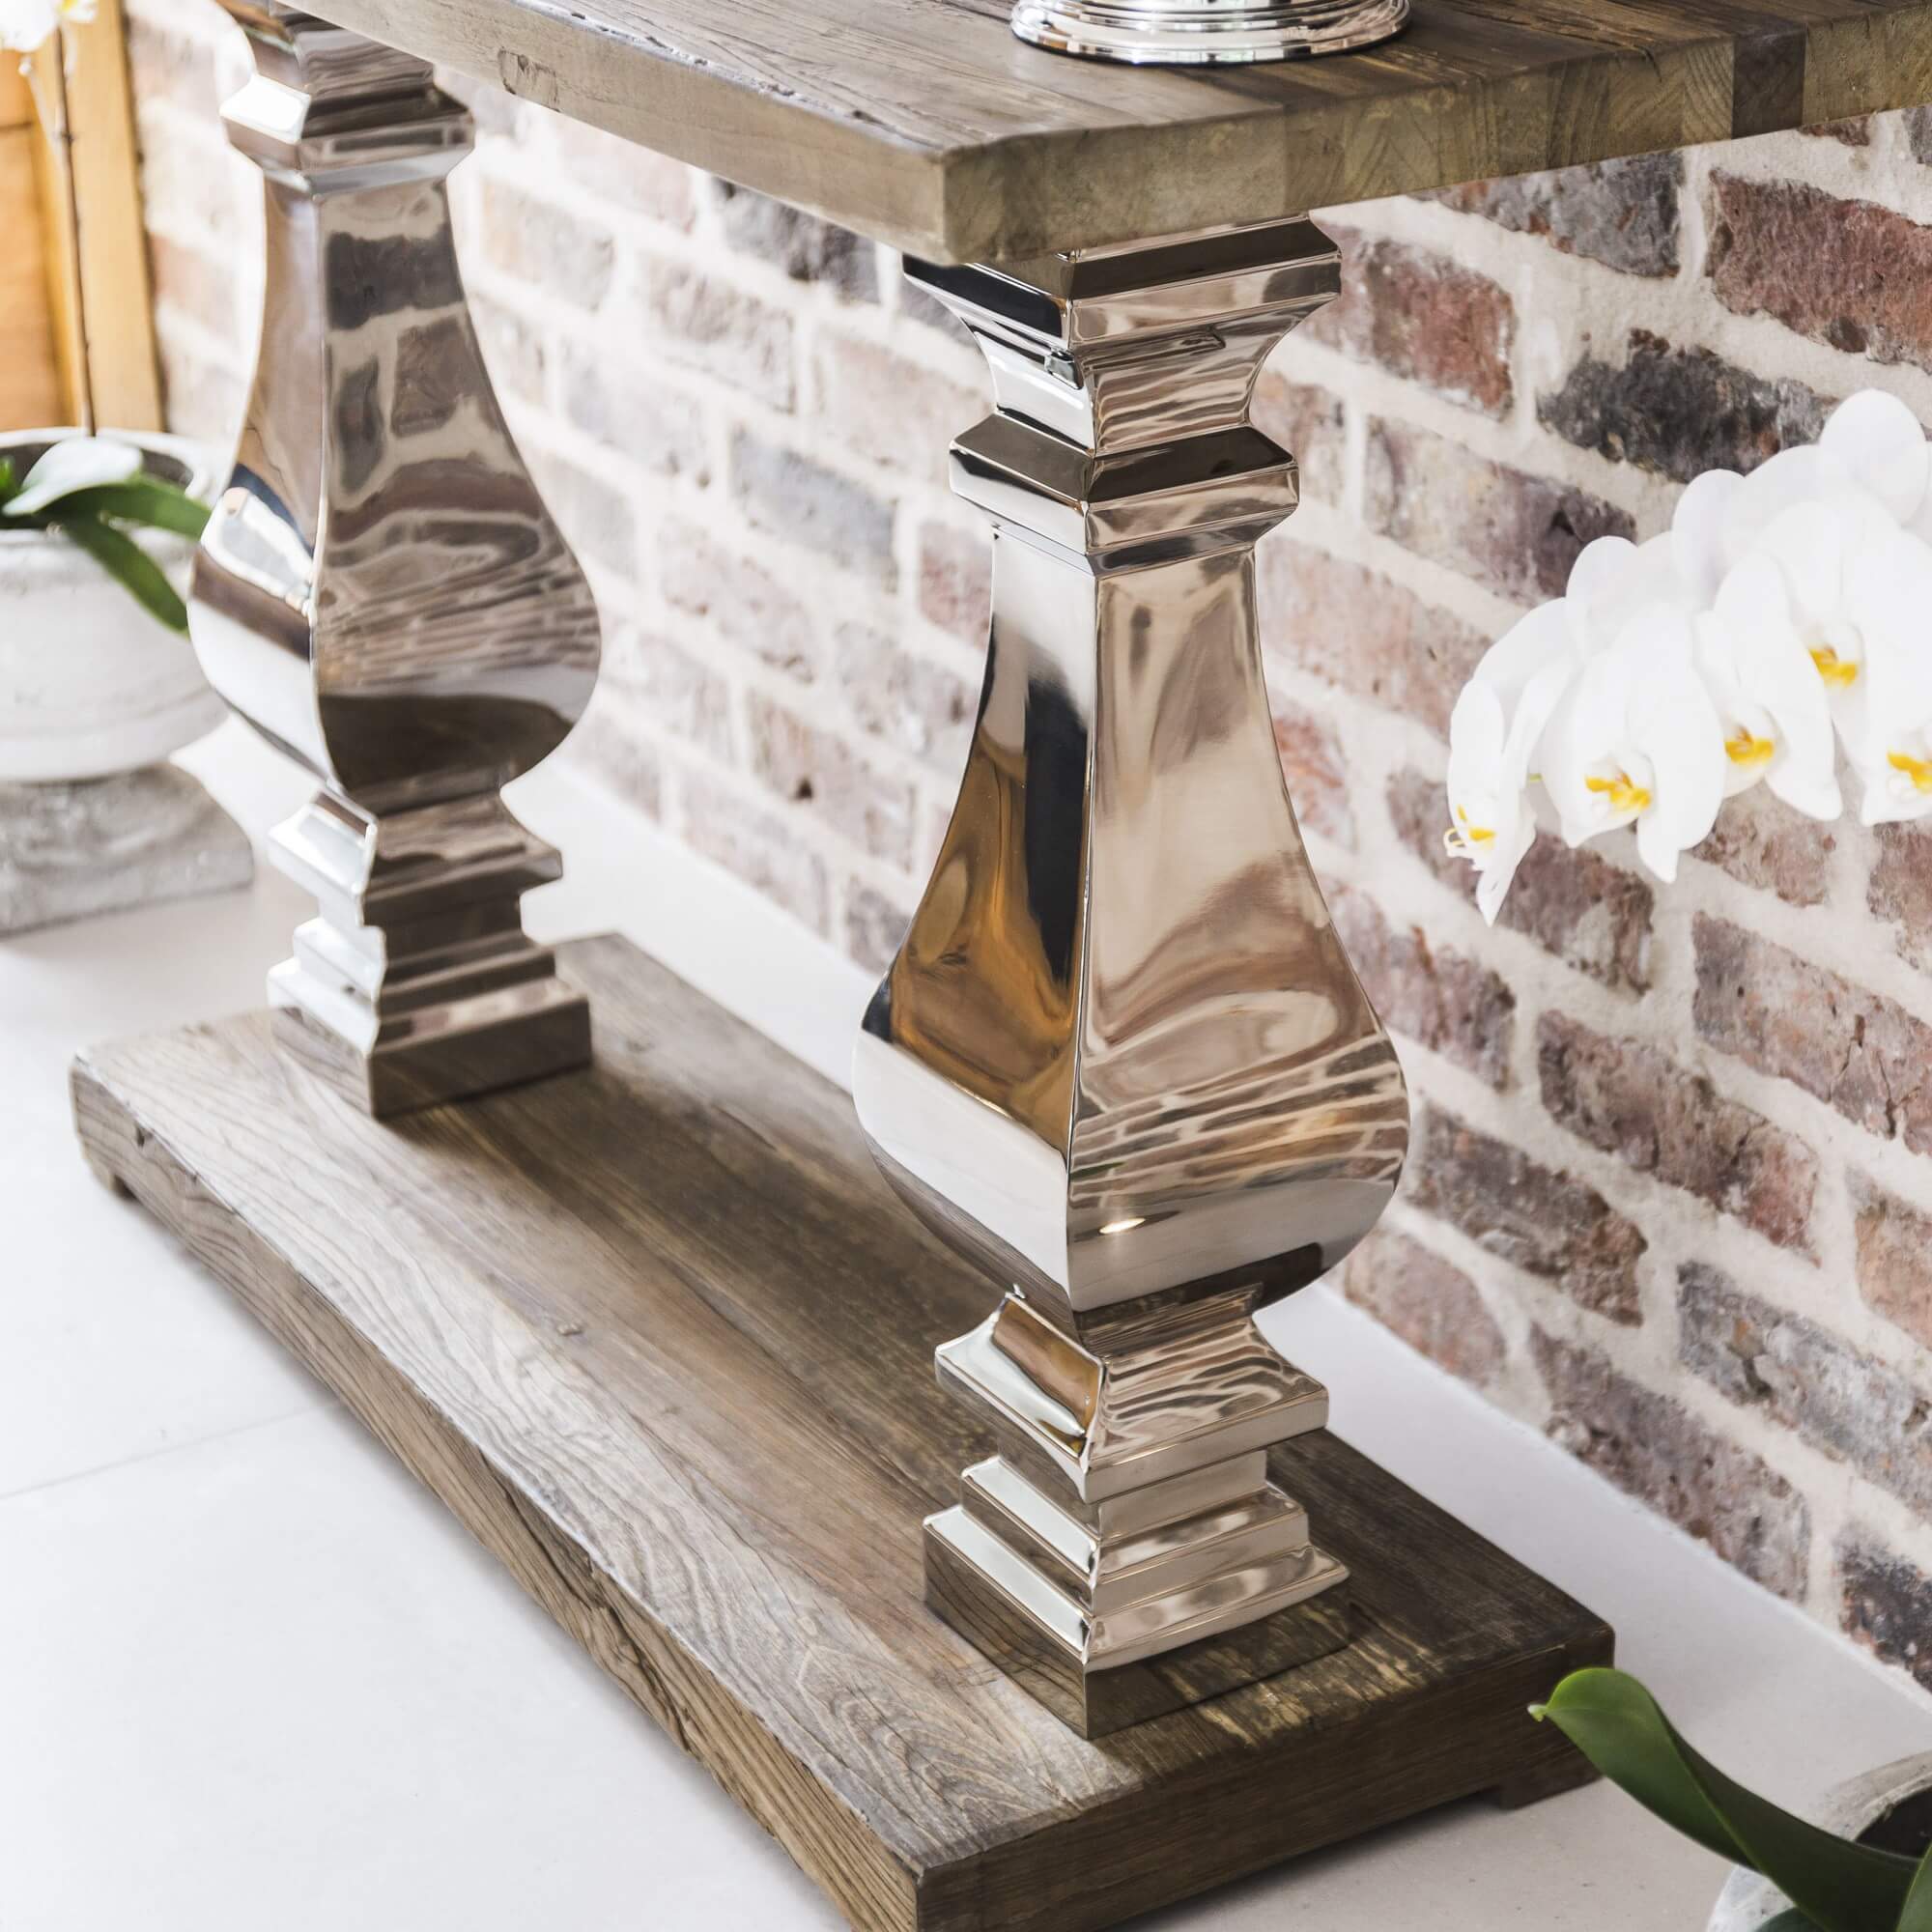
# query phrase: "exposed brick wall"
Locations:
[[1671, 1194]]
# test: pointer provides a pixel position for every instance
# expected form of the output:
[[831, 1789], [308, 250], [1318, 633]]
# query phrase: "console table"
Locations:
[[654, 1326]]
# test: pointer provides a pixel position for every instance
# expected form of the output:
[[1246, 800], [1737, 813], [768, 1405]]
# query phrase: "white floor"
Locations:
[[251, 1677]]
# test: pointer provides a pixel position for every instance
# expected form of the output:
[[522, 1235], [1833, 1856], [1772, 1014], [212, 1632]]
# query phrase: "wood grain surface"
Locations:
[[660, 1336], [927, 123]]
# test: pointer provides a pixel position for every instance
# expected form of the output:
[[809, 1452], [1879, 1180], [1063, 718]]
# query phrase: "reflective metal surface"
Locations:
[[1121, 1060], [383, 595], [1195, 33]]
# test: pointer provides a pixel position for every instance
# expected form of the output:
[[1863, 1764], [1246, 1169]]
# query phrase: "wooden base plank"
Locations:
[[660, 1337]]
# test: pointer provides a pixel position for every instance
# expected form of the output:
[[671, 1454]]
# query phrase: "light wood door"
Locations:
[[76, 316]]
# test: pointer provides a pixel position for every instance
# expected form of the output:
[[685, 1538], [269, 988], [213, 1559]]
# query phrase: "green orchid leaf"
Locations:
[[145, 499], [1792, 1920], [1916, 1917], [1615, 1722], [8, 488], [129, 564]]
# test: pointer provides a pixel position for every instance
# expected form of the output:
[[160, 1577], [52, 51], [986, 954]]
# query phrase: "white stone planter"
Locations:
[[90, 684], [95, 693], [1851, 1810]]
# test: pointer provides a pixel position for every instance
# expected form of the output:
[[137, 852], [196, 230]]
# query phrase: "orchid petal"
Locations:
[[1696, 531], [1883, 447], [1792, 478], [74, 462]]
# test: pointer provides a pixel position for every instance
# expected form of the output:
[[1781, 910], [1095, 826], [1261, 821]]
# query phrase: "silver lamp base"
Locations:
[[1197, 33]]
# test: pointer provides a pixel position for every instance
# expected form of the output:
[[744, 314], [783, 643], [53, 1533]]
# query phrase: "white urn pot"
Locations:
[[95, 693], [1890, 1807]]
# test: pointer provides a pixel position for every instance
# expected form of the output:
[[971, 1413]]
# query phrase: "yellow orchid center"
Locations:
[[1623, 794], [1918, 770], [1481, 835], [1462, 838], [1834, 668], [1747, 749]]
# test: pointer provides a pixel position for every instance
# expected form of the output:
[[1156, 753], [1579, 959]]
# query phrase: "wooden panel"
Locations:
[[30, 392], [123, 373], [926, 122], [660, 1335]]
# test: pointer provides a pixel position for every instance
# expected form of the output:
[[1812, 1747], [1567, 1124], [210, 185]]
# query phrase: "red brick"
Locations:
[[1630, 1099], [955, 580], [896, 412], [803, 501], [1307, 421], [760, 846], [1539, 1219], [1886, 1603], [1900, 888], [1622, 213], [1761, 841], [1590, 914], [657, 427], [1313, 763], [709, 324], [1680, 411], [1443, 1000], [1422, 317], [676, 693], [1364, 631], [1854, 1050], [806, 248], [1894, 1248], [1849, 273], [1512, 531], [908, 700], [809, 767], [750, 607], [547, 247], [1433, 1305], [1845, 1404], [1652, 1447]]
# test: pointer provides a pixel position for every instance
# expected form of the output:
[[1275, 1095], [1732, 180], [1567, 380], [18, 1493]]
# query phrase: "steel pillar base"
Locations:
[[1203, 33]]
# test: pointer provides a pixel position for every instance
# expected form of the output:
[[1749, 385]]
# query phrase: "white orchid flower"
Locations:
[[26, 25], [74, 462], [1493, 734], [1826, 552], [1637, 740]]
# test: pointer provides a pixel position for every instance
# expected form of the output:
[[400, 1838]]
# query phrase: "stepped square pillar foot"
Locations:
[[383, 595]]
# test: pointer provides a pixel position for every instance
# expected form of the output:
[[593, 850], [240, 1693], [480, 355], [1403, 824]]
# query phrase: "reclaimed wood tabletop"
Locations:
[[927, 123]]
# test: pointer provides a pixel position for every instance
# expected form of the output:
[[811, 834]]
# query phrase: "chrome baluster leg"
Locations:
[[1121, 1059], [383, 595]]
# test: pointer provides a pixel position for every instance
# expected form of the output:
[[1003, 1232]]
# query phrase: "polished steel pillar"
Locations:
[[1121, 1060], [382, 594]]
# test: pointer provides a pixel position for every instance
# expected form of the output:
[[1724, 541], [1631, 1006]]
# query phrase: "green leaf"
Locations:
[[1916, 1917], [1792, 1920], [8, 488], [145, 499], [129, 564], [1615, 1722]]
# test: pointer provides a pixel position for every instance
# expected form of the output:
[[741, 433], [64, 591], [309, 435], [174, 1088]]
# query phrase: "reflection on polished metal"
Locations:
[[382, 594], [1198, 33], [1121, 1060]]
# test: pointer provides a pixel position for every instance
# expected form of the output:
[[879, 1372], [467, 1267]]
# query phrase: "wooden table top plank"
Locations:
[[927, 123]]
